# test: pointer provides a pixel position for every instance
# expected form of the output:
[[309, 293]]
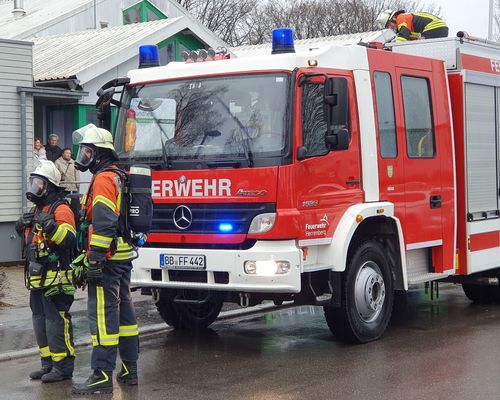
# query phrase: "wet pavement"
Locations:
[[446, 349]]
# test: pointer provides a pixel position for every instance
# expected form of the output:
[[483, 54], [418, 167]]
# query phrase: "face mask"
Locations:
[[38, 187], [85, 157]]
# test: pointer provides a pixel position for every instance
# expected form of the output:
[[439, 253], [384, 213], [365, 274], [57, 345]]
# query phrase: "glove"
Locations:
[[24, 222], [96, 264], [94, 273], [60, 289], [80, 266], [46, 222]]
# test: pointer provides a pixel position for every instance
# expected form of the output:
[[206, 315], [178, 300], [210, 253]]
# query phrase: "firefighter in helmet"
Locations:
[[49, 236], [412, 26], [107, 257]]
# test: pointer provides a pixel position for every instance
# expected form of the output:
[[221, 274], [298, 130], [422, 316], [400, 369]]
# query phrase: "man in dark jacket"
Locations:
[[52, 149]]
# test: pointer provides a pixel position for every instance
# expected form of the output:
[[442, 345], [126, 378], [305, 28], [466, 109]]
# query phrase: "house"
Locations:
[[75, 46]]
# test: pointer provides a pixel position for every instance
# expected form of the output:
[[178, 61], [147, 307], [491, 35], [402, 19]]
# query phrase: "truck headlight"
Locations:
[[262, 223], [266, 268]]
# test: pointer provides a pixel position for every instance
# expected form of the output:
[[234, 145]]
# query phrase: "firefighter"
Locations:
[[49, 236], [412, 26], [111, 313]]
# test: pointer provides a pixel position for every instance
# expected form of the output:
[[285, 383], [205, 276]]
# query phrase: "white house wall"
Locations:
[[15, 70], [95, 84], [106, 11]]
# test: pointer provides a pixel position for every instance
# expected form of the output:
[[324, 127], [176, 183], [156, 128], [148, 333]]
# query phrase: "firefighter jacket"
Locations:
[[102, 206], [411, 26], [52, 250]]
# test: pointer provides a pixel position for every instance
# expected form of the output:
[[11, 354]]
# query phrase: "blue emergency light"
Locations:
[[148, 56], [225, 227], [283, 41]]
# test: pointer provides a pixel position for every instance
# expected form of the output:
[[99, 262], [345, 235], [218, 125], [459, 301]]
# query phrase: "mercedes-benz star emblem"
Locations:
[[183, 217]]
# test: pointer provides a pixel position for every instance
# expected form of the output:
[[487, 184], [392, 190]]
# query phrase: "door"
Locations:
[[327, 181], [421, 159]]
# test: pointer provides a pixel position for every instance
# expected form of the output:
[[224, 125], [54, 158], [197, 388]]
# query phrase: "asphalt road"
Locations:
[[446, 349]]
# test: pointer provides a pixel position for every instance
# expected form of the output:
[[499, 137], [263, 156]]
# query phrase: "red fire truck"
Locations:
[[334, 176]]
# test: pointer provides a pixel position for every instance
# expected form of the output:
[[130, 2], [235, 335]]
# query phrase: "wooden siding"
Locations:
[[16, 69]]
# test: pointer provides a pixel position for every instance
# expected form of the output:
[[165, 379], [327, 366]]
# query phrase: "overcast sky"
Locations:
[[465, 15]]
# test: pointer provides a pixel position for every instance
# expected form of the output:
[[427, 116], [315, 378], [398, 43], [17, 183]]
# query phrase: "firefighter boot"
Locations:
[[100, 382], [37, 375], [55, 376], [128, 373]]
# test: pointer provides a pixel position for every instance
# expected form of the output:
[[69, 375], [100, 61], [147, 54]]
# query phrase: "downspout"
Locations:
[[24, 158]]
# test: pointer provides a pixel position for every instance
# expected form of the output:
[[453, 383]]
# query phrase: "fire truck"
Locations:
[[334, 176]]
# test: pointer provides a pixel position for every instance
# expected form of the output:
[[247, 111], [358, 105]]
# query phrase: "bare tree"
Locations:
[[251, 21]]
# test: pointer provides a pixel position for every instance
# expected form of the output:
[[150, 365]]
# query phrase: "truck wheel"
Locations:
[[367, 297], [480, 294], [189, 317]]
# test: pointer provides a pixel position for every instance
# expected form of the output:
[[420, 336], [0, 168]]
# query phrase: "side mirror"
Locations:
[[105, 99], [336, 113], [338, 139]]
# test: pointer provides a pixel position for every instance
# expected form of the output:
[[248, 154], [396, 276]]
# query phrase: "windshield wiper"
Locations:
[[223, 164]]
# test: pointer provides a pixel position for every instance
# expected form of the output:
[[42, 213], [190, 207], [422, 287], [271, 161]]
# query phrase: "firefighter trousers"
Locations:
[[53, 330], [113, 325]]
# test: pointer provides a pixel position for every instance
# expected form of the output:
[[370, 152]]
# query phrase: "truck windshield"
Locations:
[[235, 118]]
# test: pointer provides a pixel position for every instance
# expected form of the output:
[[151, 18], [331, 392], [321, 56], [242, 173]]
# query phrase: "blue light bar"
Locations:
[[148, 56], [225, 227], [283, 41]]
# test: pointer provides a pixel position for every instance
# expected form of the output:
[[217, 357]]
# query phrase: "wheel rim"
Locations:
[[369, 291]]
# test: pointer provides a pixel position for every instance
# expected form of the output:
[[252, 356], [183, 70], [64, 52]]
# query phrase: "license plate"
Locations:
[[182, 261]]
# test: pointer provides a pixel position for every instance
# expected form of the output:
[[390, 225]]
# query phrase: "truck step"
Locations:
[[427, 277]]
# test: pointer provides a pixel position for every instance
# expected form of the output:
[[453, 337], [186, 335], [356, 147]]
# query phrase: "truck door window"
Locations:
[[385, 115], [313, 121], [420, 141]]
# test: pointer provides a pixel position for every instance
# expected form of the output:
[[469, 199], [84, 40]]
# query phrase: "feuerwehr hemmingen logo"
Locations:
[[183, 217]]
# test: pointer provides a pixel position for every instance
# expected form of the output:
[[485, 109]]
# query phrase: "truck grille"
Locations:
[[207, 217]]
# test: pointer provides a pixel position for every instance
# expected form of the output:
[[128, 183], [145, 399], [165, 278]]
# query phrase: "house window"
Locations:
[[143, 11], [132, 15]]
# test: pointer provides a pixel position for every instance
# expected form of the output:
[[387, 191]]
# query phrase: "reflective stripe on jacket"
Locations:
[[410, 26], [61, 238], [102, 205]]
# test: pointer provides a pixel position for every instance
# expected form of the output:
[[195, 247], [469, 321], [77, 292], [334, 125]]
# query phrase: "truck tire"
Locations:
[[188, 317], [481, 294], [367, 297]]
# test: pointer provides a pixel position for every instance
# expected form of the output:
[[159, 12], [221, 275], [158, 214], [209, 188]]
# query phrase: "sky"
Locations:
[[465, 15]]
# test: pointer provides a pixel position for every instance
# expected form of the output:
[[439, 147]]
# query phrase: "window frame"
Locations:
[[431, 115], [327, 150], [391, 87]]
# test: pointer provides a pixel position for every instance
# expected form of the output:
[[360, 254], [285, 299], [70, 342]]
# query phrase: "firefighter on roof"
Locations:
[[49, 236], [111, 316], [412, 26]]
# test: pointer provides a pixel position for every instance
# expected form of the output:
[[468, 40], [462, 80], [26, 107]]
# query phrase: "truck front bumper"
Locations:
[[148, 273]]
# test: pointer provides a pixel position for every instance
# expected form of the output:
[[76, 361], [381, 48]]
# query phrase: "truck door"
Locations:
[[423, 197], [327, 181]]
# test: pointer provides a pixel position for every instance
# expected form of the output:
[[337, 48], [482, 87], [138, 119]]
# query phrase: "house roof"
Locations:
[[87, 54], [307, 44], [40, 14]]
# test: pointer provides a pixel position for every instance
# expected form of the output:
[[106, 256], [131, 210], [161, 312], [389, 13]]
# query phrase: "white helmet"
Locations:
[[91, 135], [39, 180], [48, 170], [385, 16]]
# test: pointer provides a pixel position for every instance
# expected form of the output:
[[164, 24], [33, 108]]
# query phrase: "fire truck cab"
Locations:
[[334, 176]]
